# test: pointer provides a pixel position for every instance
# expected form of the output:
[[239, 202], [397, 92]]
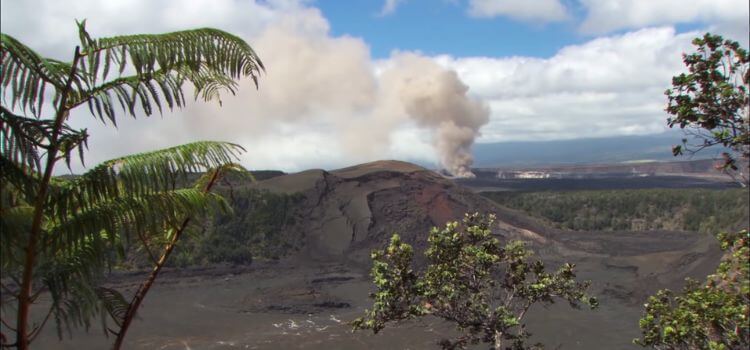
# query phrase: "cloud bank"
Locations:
[[606, 87], [322, 101], [326, 102], [605, 16]]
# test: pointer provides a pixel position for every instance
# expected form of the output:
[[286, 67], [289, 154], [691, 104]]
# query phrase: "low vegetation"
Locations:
[[471, 280], [714, 315], [254, 229], [700, 210]]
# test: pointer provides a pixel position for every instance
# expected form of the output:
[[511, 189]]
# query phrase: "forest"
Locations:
[[699, 210], [253, 230]]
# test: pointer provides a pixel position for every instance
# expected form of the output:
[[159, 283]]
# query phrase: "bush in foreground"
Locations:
[[714, 315], [472, 280]]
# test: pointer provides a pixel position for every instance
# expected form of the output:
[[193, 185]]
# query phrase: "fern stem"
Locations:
[[140, 294], [35, 332], [24, 295]]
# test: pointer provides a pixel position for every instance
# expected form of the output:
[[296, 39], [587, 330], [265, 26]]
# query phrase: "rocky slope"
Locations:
[[348, 212], [344, 214]]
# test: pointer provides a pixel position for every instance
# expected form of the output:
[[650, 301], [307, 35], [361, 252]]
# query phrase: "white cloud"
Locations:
[[527, 10], [609, 15], [608, 86], [49, 25], [389, 6], [324, 101], [320, 102]]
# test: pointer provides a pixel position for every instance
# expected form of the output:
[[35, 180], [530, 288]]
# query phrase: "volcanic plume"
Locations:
[[329, 90], [435, 98]]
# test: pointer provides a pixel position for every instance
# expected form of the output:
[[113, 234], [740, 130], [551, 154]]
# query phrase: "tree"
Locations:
[[485, 288], [711, 102], [714, 315], [59, 234]]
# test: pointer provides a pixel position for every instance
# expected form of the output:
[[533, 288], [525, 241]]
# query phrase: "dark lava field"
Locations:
[[305, 300]]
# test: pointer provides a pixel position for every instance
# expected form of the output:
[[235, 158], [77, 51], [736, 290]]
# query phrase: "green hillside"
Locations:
[[253, 230]]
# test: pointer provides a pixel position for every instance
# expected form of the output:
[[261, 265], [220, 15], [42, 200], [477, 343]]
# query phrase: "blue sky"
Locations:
[[443, 27], [436, 27], [355, 81]]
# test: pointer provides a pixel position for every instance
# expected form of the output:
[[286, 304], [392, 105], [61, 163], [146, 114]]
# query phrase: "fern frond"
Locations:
[[132, 91], [114, 303], [220, 51], [17, 181], [14, 228], [230, 169], [71, 280], [156, 170], [22, 138], [69, 141], [152, 91], [77, 226], [209, 59], [126, 217], [24, 75], [82, 247], [139, 175]]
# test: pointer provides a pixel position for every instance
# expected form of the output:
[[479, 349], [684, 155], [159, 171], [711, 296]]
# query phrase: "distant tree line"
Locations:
[[699, 210]]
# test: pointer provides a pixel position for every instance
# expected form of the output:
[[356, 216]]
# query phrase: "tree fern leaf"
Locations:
[[21, 136], [86, 219], [194, 55], [166, 93], [71, 281], [69, 141], [114, 303], [131, 216], [154, 94], [14, 228], [98, 106], [22, 179], [24, 70], [107, 62], [139, 174], [143, 97], [83, 35], [94, 67], [122, 59]]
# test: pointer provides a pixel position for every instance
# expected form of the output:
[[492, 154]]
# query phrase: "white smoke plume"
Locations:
[[435, 98], [331, 86]]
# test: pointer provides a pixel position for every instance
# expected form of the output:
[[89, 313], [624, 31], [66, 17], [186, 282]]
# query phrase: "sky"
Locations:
[[354, 81]]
